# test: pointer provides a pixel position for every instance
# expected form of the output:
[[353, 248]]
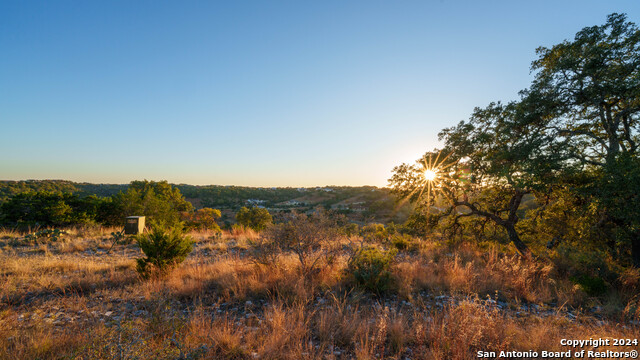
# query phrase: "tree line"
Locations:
[[160, 201]]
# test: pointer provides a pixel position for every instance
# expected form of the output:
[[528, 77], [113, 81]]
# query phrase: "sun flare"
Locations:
[[430, 175], [433, 177]]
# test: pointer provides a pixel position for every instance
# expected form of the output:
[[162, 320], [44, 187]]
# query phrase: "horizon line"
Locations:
[[222, 185]]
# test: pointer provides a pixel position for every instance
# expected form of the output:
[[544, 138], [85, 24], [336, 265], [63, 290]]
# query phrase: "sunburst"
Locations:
[[432, 175]]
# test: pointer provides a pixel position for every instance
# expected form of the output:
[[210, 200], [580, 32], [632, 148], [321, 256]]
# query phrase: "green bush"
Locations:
[[593, 286], [256, 218], [202, 219], [163, 250], [403, 242], [370, 268], [374, 232], [350, 229]]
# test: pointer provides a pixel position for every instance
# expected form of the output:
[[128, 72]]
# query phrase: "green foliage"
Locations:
[[375, 202], [588, 89], [593, 286], [492, 162], [9, 189], [404, 242], [255, 218], [579, 119], [374, 232], [45, 208], [587, 93], [420, 223], [350, 229], [159, 201], [203, 219], [370, 268], [563, 220], [163, 250], [617, 195]]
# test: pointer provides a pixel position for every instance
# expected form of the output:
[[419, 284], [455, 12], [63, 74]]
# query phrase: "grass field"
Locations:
[[74, 299]]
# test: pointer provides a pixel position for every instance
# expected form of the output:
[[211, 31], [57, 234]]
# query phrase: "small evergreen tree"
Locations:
[[163, 250], [370, 267]]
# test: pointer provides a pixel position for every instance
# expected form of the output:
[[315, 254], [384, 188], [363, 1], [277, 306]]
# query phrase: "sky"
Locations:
[[258, 93]]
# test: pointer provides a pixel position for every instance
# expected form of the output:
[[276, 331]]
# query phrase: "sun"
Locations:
[[433, 176], [430, 175]]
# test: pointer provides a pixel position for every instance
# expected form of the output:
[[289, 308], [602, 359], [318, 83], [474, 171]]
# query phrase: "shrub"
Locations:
[[264, 251], [202, 219], [163, 250], [374, 232], [311, 238], [256, 218], [350, 229], [403, 242], [593, 286], [370, 268]]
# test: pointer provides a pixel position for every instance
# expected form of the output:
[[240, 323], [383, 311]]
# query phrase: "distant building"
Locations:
[[324, 189]]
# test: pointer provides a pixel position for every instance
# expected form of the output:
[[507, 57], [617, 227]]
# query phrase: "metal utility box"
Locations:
[[134, 225]]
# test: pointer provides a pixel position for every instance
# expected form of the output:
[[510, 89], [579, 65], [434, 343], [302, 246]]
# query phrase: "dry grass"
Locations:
[[39, 276], [72, 300], [470, 271], [242, 232]]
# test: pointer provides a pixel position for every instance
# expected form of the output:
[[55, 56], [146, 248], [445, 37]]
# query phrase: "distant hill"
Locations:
[[361, 203]]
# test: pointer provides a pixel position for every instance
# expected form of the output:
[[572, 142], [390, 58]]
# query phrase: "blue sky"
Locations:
[[258, 93]]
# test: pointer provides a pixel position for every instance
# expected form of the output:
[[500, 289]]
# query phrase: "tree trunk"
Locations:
[[635, 249], [522, 248]]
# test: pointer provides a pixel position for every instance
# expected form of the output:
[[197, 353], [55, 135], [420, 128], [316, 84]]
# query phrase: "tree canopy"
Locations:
[[489, 164], [255, 218], [575, 129], [590, 90], [161, 202], [52, 208]]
